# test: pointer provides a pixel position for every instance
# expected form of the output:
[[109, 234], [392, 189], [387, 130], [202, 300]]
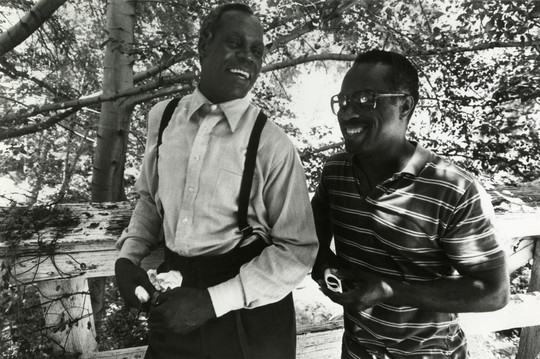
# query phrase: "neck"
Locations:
[[381, 166]]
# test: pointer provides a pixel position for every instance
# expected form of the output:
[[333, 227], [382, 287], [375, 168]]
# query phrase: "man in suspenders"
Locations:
[[235, 218]]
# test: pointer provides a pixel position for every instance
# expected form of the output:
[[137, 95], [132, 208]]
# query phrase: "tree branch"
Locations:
[[143, 75], [12, 72], [175, 79], [93, 100], [311, 25], [307, 27], [161, 93], [29, 23], [308, 58], [479, 47], [6, 133], [322, 149]]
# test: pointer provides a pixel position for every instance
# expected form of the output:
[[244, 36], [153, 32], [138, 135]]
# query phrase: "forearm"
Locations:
[[325, 257], [265, 279], [453, 294], [143, 232]]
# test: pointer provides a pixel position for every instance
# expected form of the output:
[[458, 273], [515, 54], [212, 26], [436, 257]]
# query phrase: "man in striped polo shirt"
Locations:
[[413, 233]]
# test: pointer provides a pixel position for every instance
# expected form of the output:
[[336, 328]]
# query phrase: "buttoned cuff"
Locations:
[[227, 296]]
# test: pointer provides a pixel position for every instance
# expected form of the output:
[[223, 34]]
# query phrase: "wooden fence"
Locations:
[[60, 259]]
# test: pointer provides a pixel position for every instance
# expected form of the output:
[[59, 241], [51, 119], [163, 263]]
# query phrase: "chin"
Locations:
[[349, 147], [235, 93], [354, 149]]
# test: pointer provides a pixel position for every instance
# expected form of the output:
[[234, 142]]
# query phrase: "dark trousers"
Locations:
[[267, 332]]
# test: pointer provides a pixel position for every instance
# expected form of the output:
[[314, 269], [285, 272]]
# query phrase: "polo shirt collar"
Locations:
[[418, 160], [233, 110]]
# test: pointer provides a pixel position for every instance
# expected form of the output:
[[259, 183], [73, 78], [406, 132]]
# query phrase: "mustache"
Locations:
[[354, 121]]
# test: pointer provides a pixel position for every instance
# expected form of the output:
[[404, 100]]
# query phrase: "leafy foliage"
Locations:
[[120, 327]]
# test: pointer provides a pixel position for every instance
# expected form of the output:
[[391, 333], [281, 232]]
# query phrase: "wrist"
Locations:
[[227, 296]]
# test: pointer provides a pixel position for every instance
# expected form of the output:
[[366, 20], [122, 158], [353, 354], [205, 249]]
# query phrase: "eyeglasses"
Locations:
[[360, 100]]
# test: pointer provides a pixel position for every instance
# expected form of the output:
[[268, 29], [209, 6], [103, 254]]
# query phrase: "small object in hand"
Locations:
[[142, 294], [165, 281], [332, 281]]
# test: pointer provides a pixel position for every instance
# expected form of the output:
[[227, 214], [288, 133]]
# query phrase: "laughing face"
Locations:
[[373, 131], [231, 59]]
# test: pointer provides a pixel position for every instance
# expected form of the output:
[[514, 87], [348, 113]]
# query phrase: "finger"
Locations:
[[144, 281], [155, 319], [163, 297], [348, 274], [157, 326], [131, 299], [334, 297]]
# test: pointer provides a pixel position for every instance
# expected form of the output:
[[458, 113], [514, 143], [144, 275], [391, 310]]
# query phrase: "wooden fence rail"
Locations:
[[59, 259]]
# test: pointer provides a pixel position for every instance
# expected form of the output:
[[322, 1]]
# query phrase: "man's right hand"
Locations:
[[128, 277]]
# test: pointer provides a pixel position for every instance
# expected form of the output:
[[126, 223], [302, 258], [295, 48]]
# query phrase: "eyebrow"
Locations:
[[236, 33]]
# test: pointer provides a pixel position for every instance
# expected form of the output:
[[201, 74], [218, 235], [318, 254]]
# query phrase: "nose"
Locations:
[[346, 114], [246, 55]]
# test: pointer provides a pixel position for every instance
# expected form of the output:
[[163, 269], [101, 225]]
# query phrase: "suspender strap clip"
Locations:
[[246, 231]]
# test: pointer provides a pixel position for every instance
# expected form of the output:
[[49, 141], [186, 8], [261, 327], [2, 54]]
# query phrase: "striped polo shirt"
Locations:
[[426, 222]]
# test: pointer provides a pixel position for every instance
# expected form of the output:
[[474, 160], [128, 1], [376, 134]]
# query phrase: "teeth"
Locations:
[[242, 73], [354, 131]]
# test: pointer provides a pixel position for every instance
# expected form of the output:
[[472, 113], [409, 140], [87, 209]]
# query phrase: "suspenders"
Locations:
[[249, 164], [165, 118], [247, 176]]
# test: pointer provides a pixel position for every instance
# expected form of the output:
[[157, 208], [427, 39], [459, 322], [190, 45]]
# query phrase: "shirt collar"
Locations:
[[418, 160], [233, 110]]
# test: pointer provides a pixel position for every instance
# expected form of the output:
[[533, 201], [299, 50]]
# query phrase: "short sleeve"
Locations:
[[470, 240]]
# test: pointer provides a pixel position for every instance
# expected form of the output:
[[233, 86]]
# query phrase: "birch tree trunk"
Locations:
[[113, 128]]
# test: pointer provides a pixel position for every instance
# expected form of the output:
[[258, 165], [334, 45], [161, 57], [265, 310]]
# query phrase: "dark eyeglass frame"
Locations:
[[370, 102]]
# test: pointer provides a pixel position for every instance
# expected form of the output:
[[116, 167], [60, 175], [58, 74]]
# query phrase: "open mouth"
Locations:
[[351, 132], [241, 73], [354, 131]]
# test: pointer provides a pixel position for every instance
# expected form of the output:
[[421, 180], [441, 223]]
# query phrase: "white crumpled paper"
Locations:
[[161, 281]]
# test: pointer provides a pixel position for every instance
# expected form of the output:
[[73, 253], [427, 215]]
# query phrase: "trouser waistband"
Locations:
[[206, 271]]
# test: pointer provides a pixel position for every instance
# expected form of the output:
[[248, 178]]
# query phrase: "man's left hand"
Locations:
[[181, 310], [360, 290]]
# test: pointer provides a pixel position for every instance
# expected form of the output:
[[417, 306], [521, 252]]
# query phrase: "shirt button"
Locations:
[[185, 220], [213, 107], [197, 157], [191, 189]]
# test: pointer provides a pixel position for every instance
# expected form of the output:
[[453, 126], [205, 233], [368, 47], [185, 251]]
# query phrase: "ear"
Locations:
[[406, 109], [203, 48]]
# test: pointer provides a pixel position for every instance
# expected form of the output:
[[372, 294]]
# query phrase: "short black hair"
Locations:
[[404, 76], [211, 21]]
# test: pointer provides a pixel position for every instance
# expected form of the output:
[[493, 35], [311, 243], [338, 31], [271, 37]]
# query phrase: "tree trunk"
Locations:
[[113, 128], [29, 23]]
